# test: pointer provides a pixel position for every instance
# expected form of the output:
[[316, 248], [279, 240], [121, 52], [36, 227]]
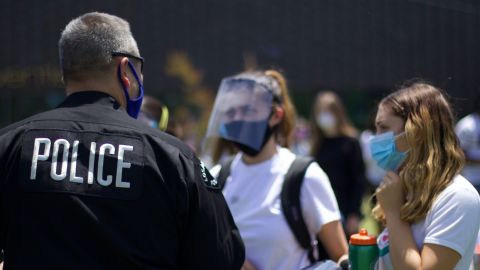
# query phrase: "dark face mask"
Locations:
[[235, 127]]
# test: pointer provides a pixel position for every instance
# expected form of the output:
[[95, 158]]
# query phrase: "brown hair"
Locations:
[[434, 157], [284, 132], [335, 105]]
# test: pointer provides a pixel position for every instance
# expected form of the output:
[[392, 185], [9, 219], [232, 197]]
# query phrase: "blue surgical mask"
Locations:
[[133, 105], [384, 151]]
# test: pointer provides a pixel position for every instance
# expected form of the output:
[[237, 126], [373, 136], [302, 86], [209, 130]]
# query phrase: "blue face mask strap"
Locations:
[[140, 85], [133, 105], [398, 135]]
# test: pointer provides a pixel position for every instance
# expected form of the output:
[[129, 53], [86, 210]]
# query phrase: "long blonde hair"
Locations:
[[434, 157], [344, 126]]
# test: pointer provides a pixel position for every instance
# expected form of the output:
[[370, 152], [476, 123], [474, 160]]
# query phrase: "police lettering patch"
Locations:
[[207, 178], [84, 163]]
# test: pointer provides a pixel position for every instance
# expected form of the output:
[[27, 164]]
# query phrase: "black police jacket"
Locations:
[[85, 186]]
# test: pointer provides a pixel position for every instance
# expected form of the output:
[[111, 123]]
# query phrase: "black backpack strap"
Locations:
[[291, 204], [224, 172]]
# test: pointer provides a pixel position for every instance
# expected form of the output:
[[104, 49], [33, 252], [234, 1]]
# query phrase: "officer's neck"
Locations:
[[110, 87], [267, 153]]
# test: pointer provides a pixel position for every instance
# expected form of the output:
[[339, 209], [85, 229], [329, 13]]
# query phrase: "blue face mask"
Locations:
[[385, 153], [133, 105]]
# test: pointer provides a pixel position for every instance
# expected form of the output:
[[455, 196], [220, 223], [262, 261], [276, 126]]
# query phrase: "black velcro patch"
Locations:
[[83, 163]]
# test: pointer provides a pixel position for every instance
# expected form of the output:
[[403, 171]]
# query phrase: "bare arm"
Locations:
[[403, 250], [404, 253], [333, 239], [439, 257]]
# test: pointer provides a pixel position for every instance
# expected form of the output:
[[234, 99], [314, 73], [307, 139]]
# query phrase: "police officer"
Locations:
[[87, 186]]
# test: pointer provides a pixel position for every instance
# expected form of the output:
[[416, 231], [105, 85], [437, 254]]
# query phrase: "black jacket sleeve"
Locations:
[[2, 176], [211, 239], [8, 154]]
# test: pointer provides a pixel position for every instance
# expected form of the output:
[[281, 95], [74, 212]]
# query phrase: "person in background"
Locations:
[[337, 150], [301, 141], [373, 172], [468, 132], [156, 115], [254, 112], [431, 212]]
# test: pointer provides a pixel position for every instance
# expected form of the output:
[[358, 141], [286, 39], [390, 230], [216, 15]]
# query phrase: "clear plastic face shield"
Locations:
[[242, 111]]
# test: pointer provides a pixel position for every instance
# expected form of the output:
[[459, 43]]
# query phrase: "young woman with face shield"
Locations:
[[254, 112], [431, 212], [336, 148]]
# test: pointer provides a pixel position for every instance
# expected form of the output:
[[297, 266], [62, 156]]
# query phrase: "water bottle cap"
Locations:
[[363, 239]]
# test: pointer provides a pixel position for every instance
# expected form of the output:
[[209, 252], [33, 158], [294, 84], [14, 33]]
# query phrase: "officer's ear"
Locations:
[[124, 72]]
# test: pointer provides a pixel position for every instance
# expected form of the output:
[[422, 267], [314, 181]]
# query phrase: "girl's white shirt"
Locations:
[[253, 195], [453, 222]]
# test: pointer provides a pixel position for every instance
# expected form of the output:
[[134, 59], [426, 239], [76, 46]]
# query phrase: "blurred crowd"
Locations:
[[341, 149], [328, 136]]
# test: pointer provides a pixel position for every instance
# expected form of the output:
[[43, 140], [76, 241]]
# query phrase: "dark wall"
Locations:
[[360, 48]]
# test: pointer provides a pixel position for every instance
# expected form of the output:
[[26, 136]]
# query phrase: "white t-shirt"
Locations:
[[468, 132], [452, 222], [253, 195]]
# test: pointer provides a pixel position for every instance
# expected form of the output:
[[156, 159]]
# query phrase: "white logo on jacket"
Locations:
[[69, 169]]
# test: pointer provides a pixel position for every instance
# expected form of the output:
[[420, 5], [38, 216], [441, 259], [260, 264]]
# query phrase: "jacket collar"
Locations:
[[89, 97]]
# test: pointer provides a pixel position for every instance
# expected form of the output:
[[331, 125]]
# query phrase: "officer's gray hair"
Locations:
[[87, 42]]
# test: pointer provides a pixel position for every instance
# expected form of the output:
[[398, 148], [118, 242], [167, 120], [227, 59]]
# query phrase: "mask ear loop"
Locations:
[[399, 135], [133, 105], [140, 85], [125, 90], [396, 137]]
